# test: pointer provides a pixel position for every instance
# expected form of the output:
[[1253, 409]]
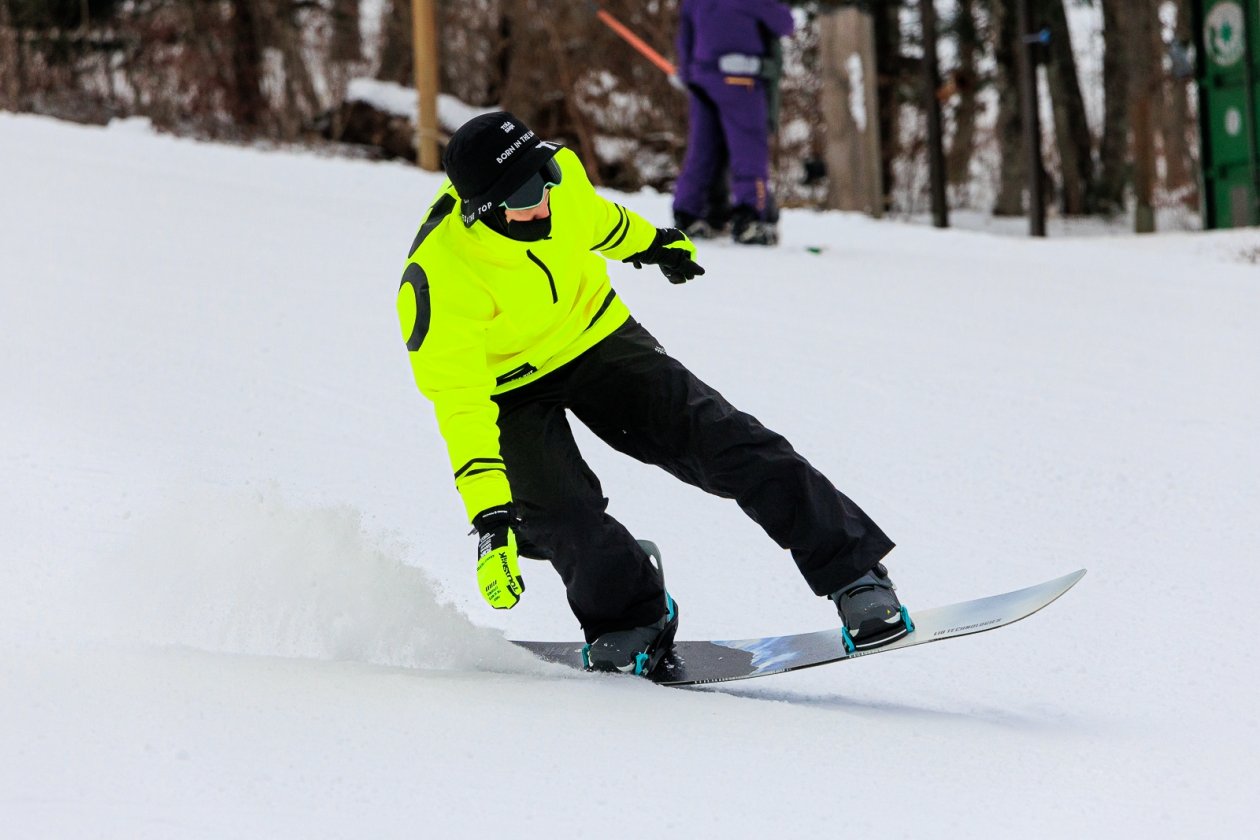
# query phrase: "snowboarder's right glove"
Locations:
[[498, 573], [673, 252]]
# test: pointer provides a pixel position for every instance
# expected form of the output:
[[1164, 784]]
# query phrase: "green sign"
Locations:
[[1228, 41]]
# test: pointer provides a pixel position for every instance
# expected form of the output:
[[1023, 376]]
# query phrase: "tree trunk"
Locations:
[[1112, 150], [887, 28], [397, 58], [965, 84], [1177, 122], [346, 45], [847, 101], [345, 53], [581, 126], [501, 66], [1145, 81], [301, 99], [10, 61], [1070, 126], [1009, 130], [247, 105]]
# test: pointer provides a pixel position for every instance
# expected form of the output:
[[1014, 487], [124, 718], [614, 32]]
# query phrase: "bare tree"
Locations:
[[396, 59], [1072, 137], [246, 101], [1176, 122], [846, 62], [278, 68], [1142, 90], [964, 83], [1112, 155], [10, 59], [1012, 176], [889, 63], [346, 43]]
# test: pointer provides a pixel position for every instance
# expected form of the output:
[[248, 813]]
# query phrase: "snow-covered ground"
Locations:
[[237, 595]]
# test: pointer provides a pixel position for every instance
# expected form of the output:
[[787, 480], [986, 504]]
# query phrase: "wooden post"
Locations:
[[424, 41]]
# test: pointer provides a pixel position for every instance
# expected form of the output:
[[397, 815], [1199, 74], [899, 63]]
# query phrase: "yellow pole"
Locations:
[[424, 41]]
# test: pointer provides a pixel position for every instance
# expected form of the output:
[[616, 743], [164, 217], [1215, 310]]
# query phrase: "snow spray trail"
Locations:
[[252, 574]]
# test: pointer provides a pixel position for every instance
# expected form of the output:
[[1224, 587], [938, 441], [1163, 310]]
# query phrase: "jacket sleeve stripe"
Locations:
[[621, 220], [624, 230], [480, 465], [486, 470]]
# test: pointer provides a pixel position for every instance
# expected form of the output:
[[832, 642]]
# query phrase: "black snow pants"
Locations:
[[648, 405]]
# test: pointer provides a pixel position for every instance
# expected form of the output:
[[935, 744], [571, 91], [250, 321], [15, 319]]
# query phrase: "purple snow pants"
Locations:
[[728, 117]]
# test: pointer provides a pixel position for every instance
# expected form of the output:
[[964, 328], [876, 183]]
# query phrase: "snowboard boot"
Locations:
[[637, 650], [871, 612], [694, 227], [720, 221], [747, 228]]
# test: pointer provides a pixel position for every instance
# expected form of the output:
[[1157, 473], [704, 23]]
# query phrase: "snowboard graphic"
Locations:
[[697, 662]]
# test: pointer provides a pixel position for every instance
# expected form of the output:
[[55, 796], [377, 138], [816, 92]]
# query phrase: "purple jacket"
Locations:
[[709, 29]]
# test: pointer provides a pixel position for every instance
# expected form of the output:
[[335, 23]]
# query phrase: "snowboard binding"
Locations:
[[871, 614], [905, 626], [640, 649]]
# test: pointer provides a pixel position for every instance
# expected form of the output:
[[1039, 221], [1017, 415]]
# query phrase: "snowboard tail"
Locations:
[[698, 662]]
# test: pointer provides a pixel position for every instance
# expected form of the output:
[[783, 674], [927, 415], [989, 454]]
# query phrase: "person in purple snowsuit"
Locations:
[[722, 50]]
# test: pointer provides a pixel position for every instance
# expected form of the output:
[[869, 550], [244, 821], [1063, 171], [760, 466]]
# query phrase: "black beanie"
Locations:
[[489, 157]]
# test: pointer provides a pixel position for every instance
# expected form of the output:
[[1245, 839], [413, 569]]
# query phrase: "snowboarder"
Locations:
[[510, 320], [728, 58]]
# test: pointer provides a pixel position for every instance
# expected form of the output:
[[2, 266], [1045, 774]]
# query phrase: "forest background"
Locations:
[[1119, 123]]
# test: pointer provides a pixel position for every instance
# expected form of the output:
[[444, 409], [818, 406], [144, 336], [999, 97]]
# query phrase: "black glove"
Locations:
[[498, 573], [673, 252]]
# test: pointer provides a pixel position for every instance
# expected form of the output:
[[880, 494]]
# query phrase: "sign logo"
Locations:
[[1233, 122], [1223, 33]]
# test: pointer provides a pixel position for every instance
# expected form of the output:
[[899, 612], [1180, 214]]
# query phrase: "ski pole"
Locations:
[[635, 41]]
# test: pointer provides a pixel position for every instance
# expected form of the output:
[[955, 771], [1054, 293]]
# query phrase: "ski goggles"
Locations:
[[531, 193]]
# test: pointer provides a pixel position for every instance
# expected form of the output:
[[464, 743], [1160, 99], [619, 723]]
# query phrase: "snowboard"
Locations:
[[699, 662]]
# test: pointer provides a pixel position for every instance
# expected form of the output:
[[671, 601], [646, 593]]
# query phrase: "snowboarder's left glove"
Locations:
[[498, 573], [673, 252]]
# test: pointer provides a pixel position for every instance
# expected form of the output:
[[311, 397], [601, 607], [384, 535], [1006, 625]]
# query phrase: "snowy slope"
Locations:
[[236, 593]]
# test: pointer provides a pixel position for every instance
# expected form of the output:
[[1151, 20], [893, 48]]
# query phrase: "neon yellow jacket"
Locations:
[[483, 314]]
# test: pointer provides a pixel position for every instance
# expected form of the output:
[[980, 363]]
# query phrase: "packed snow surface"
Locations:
[[237, 595]]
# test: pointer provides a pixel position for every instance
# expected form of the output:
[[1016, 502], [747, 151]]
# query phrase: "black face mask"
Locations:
[[531, 231]]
